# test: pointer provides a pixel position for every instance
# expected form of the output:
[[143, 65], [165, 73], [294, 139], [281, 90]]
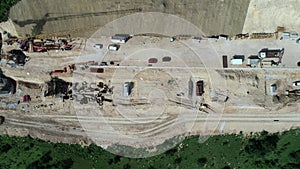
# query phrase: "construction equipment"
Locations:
[[2, 119]]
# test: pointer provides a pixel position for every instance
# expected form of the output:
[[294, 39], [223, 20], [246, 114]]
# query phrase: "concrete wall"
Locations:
[[83, 17]]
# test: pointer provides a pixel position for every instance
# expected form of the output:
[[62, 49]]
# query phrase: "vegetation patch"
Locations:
[[5, 6], [260, 150]]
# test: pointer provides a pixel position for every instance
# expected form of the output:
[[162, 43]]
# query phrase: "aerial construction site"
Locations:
[[146, 78]]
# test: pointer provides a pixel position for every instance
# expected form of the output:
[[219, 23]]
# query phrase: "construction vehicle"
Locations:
[[2, 119]]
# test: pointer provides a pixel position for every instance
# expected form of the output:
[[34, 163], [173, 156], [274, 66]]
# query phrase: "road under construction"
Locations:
[[134, 100]]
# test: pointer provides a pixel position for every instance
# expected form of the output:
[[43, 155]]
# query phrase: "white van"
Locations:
[[113, 47], [297, 83]]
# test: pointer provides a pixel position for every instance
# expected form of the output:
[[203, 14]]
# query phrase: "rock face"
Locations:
[[265, 16], [84, 17]]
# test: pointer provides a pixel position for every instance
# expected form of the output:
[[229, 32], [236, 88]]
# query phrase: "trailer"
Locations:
[[127, 88], [225, 63], [236, 61]]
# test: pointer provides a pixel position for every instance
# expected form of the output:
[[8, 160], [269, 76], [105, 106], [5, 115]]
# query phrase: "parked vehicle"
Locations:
[[152, 60], [166, 59], [297, 83], [98, 46], [113, 47], [103, 64], [39, 49]]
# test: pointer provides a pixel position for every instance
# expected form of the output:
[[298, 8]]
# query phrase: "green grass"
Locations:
[[260, 150]]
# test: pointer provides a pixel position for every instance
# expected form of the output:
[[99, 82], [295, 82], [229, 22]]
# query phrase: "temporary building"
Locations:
[[236, 61], [253, 60], [127, 88], [120, 38]]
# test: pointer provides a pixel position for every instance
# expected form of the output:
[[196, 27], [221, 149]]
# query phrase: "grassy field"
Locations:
[[261, 150]]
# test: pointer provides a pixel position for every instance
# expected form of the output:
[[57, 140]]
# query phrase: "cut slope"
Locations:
[[83, 17], [265, 16]]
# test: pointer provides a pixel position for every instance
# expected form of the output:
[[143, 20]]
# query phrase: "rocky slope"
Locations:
[[83, 17], [266, 15]]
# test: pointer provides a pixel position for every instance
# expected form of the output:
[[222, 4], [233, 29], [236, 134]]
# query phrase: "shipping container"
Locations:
[[236, 61], [225, 63], [200, 88]]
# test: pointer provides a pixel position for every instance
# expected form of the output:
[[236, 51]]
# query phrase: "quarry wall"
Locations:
[[266, 15], [83, 17]]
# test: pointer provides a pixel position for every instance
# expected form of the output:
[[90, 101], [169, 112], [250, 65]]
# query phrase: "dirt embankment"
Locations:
[[83, 17]]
